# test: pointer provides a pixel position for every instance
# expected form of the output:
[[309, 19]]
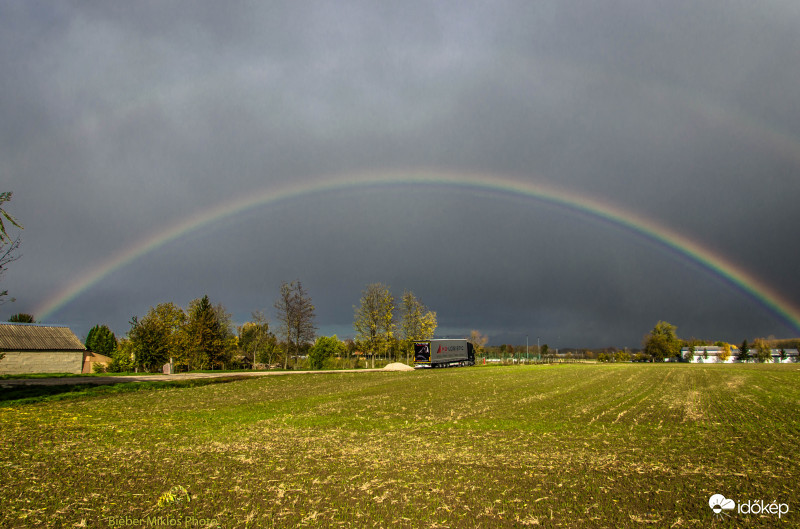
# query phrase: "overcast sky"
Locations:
[[120, 119]]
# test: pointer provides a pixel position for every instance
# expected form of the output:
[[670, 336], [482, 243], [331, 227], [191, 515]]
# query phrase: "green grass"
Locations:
[[553, 446], [32, 394]]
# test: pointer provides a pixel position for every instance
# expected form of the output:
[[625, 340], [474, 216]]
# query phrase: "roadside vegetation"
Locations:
[[583, 445]]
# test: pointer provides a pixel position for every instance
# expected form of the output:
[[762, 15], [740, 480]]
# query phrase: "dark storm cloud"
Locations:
[[120, 119]]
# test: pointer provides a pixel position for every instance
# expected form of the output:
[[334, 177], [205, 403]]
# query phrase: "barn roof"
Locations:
[[34, 337]]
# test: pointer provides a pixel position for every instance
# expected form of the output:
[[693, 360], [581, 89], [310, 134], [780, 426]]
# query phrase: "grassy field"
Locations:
[[554, 446]]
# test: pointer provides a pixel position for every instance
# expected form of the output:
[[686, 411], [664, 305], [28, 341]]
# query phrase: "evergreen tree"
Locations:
[[205, 337], [744, 352], [101, 340]]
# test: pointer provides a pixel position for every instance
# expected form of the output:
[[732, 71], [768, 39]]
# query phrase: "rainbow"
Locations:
[[714, 263]]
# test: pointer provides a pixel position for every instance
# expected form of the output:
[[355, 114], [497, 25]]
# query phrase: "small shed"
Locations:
[[37, 348], [91, 359]]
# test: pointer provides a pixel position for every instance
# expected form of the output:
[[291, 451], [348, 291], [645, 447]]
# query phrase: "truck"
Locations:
[[443, 353]]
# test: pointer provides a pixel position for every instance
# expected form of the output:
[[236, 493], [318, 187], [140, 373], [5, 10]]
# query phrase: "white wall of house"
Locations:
[[16, 363]]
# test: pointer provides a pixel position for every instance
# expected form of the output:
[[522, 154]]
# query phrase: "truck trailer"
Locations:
[[443, 353]]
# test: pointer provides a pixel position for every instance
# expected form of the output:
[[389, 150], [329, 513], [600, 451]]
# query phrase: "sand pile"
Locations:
[[397, 366]]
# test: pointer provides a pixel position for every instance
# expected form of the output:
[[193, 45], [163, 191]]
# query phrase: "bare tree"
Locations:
[[295, 312], [303, 328], [8, 245], [6, 197], [478, 340]]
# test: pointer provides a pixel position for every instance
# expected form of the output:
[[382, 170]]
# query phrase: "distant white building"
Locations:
[[791, 356], [710, 354]]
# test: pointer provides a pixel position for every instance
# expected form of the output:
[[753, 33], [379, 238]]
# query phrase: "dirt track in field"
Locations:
[[64, 381]]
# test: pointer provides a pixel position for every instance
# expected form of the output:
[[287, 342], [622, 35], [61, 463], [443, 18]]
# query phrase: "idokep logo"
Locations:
[[720, 503]]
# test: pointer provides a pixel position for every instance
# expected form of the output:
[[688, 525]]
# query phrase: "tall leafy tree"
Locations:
[[325, 347], [374, 318], [256, 341], [101, 340], [416, 321], [662, 342], [229, 338], [158, 336], [123, 358], [8, 244], [763, 350]]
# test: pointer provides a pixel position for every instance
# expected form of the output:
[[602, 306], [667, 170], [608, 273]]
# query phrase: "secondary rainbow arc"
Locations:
[[662, 235]]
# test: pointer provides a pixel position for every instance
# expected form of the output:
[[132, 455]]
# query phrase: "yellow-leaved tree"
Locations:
[[416, 322], [724, 351], [374, 319]]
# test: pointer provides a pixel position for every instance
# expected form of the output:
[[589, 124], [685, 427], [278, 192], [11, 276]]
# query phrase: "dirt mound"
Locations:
[[397, 366]]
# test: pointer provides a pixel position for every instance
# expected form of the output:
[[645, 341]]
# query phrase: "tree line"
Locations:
[[203, 337], [381, 331], [662, 344]]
